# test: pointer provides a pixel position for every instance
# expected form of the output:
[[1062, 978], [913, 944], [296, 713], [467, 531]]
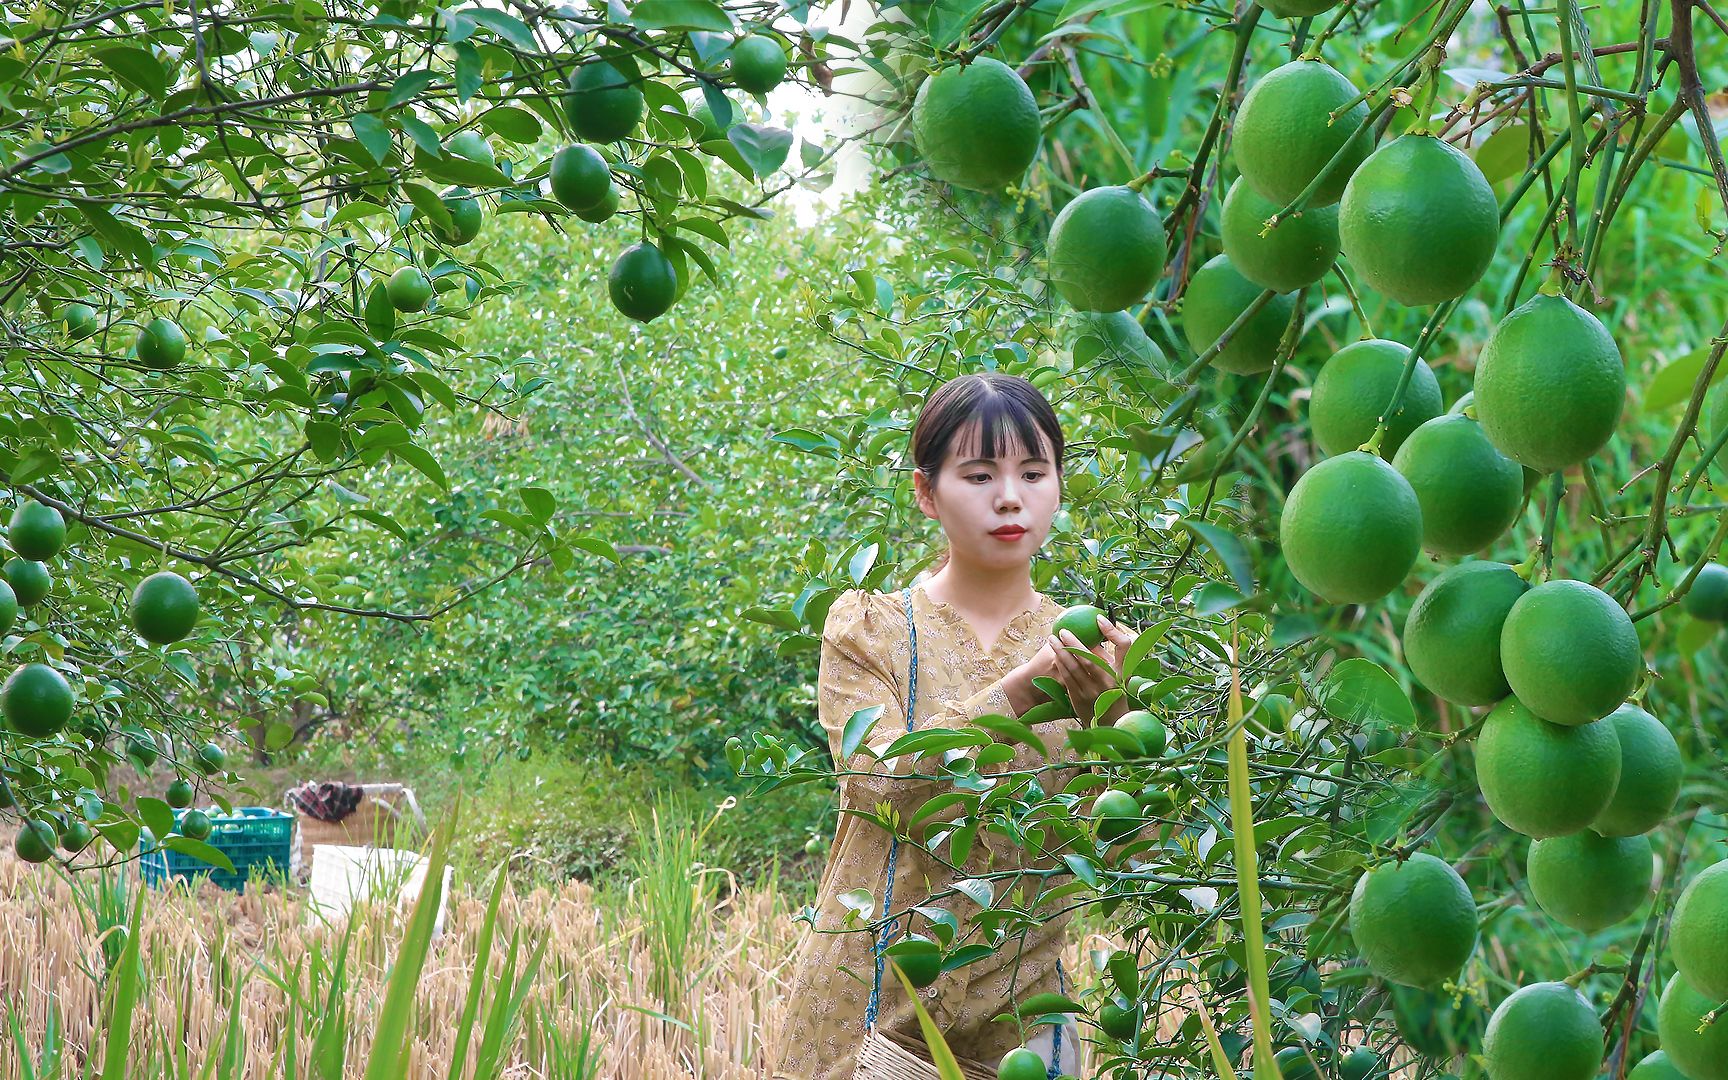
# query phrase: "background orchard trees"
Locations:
[[234, 298], [1463, 178]]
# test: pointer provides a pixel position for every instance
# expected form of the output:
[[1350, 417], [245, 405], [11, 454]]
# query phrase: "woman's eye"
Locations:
[[979, 476], [1034, 475]]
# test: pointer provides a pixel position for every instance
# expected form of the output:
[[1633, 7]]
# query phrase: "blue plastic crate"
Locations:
[[252, 837]]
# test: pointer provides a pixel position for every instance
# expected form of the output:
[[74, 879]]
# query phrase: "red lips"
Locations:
[[1008, 530]]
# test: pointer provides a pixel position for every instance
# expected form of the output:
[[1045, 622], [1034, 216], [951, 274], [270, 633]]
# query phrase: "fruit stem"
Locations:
[[1528, 566], [1372, 446], [1430, 330], [1192, 371], [1355, 300], [1575, 119], [1312, 52], [1429, 86], [1557, 492]]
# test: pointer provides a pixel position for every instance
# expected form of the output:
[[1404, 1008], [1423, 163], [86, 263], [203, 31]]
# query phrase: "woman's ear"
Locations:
[[921, 493]]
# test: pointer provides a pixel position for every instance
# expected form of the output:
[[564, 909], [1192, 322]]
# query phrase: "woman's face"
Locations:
[[973, 496]]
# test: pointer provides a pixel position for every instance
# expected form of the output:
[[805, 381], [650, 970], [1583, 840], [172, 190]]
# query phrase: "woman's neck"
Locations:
[[991, 593]]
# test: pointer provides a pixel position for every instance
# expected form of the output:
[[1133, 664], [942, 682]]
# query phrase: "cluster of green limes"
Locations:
[[605, 105], [36, 700]]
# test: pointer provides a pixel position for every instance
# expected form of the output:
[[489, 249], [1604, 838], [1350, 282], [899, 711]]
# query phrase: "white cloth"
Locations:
[[1043, 1043]]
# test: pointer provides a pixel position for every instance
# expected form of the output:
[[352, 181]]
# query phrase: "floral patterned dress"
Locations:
[[865, 660]]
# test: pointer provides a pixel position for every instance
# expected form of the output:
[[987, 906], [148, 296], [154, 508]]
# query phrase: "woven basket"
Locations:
[[889, 1055]]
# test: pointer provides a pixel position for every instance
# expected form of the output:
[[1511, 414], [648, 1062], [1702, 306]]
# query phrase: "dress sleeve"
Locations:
[[854, 673]]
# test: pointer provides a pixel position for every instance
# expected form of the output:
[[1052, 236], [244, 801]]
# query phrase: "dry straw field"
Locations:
[[671, 975]]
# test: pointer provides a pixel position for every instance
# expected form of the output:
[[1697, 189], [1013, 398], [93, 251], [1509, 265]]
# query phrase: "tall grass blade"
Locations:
[[1248, 880], [943, 1058], [506, 1010], [123, 1003], [389, 1058], [26, 1070], [477, 981]]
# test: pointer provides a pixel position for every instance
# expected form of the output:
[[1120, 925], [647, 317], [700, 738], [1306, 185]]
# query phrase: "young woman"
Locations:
[[988, 456]]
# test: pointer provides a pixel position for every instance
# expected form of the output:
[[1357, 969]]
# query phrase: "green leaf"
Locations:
[[428, 203], [469, 70], [597, 546], [1229, 550], [540, 503], [1673, 384], [422, 459], [122, 1000], [157, 815], [1039, 1004], [1505, 153], [278, 735], [505, 25], [680, 15], [136, 68], [198, 849], [374, 135], [517, 125], [857, 729], [409, 86], [1359, 692], [763, 148]]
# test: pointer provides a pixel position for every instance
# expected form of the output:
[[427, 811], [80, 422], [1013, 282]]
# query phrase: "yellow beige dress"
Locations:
[[865, 660]]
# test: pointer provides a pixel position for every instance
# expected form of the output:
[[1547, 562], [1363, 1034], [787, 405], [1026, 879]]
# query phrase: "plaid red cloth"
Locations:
[[327, 801]]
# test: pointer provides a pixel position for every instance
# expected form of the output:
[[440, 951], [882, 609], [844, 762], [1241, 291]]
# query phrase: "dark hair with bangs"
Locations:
[[1000, 409]]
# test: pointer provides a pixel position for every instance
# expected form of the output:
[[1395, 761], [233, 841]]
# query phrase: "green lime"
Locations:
[[1122, 1024], [602, 105], [1413, 922], [1217, 295], [1285, 135], [921, 960], [210, 759], [1550, 384], [30, 581], [1146, 728], [709, 129], [1699, 1055], [1295, 1063], [141, 748], [164, 607], [1081, 620], [758, 63], [977, 125], [602, 210], [8, 607], [76, 836], [471, 145], [1452, 634], [179, 794], [161, 345], [1570, 652], [642, 283], [1117, 814], [80, 321], [195, 825], [409, 290], [1352, 529], [1589, 882], [580, 177], [1353, 389], [35, 841], [1418, 221], [1699, 932], [1021, 1064], [1655, 1066], [1361, 1064], [1544, 1031], [466, 217], [1470, 492], [1650, 774], [1543, 779], [37, 531], [1295, 254], [36, 700], [1707, 599], [1106, 249]]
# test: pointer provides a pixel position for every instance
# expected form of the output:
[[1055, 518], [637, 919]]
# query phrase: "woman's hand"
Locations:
[[1086, 680]]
